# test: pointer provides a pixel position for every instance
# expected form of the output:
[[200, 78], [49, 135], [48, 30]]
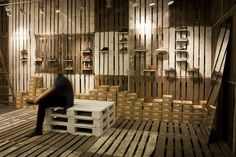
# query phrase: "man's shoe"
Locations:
[[29, 101], [35, 133]]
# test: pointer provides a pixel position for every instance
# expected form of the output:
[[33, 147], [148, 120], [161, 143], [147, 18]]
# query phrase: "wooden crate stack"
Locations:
[[198, 113], [138, 109], [34, 89], [209, 116], [187, 111], [129, 105], [157, 109], [93, 94], [167, 108], [121, 99], [177, 111], [147, 111]]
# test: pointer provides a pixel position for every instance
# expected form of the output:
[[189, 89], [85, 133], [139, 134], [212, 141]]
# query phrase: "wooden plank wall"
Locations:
[[24, 26], [4, 48], [149, 28]]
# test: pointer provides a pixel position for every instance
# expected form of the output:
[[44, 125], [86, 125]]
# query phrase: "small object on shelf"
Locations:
[[87, 50], [140, 50], [123, 49], [86, 59], [181, 29], [69, 68], [193, 70], [181, 39], [24, 51], [104, 49], [123, 40], [161, 50]]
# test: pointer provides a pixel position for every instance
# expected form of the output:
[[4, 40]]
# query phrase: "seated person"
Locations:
[[60, 95]]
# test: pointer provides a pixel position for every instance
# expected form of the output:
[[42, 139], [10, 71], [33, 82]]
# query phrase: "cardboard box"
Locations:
[[103, 88], [114, 88], [147, 106]]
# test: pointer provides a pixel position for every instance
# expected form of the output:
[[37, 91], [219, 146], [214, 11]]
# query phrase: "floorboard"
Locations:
[[125, 138]]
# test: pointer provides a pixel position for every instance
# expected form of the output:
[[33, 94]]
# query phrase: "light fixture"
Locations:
[[171, 2], [109, 4], [134, 3], [41, 8], [8, 10], [22, 11], [152, 3], [82, 5]]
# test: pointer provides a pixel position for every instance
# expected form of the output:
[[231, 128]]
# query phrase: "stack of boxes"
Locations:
[[129, 104], [177, 111], [102, 93], [93, 94], [34, 89], [187, 111], [198, 113], [157, 109], [138, 109], [209, 116], [121, 99], [147, 111], [167, 108]]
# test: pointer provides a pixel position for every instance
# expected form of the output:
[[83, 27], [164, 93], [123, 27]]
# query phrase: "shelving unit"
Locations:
[[24, 55], [68, 64], [123, 40], [86, 60], [138, 50], [171, 72]]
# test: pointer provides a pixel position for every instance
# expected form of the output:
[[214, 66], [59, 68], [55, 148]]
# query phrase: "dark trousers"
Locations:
[[48, 101]]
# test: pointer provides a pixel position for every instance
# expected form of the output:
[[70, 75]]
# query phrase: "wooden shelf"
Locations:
[[140, 50], [170, 70], [24, 59], [123, 41], [68, 60], [86, 60], [181, 40], [184, 29], [52, 60], [87, 50], [182, 60], [162, 50], [39, 60], [149, 70], [181, 50], [86, 69]]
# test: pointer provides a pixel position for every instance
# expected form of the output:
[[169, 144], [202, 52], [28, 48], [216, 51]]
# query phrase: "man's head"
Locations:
[[57, 67]]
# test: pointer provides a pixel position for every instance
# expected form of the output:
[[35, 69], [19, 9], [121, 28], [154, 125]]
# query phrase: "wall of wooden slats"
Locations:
[[24, 27], [4, 49], [149, 28]]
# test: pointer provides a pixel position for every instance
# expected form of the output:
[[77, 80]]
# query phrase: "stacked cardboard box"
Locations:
[[167, 108], [114, 89], [187, 111], [82, 96], [93, 94], [147, 111], [102, 95], [35, 82], [19, 99], [177, 111], [157, 109], [103, 88], [209, 116], [112, 96], [138, 109], [198, 114], [121, 99]]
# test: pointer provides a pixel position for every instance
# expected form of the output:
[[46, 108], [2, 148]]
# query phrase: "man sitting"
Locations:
[[60, 95]]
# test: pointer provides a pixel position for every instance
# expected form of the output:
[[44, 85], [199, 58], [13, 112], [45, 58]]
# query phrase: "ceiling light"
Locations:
[[109, 4], [171, 2], [134, 3], [152, 3]]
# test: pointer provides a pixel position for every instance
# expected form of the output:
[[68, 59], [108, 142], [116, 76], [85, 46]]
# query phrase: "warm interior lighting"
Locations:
[[152, 3], [109, 4], [134, 3], [171, 2]]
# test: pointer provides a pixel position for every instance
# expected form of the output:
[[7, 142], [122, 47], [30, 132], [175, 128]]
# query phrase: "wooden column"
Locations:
[[233, 48]]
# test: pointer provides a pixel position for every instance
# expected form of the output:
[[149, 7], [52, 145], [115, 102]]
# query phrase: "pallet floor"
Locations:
[[125, 138]]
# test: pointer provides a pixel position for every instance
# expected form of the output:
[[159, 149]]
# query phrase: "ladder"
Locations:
[[6, 74]]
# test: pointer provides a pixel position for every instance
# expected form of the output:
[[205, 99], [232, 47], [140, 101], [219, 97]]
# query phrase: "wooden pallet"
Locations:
[[125, 138]]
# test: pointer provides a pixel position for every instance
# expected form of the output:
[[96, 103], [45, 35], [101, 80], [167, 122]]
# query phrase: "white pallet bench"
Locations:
[[86, 117]]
